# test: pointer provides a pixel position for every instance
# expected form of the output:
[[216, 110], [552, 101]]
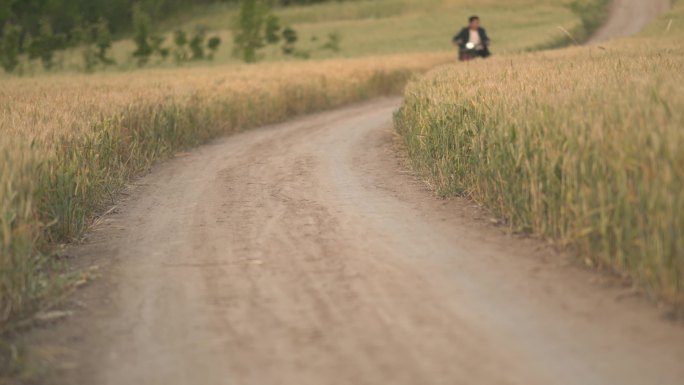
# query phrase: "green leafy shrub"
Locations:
[[9, 47], [141, 35], [213, 46]]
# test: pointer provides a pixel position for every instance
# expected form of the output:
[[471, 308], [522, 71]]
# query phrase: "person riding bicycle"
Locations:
[[472, 41]]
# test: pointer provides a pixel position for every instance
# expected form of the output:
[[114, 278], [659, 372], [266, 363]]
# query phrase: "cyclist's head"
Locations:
[[474, 22]]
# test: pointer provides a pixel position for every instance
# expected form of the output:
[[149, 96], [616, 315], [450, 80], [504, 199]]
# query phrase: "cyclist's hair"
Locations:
[[473, 18]]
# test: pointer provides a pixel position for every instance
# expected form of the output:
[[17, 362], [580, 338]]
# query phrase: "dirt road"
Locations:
[[629, 17], [304, 254]]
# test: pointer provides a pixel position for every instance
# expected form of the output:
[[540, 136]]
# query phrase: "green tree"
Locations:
[[249, 29], [44, 45], [90, 58], [103, 41], [213, 45], [158, 46], [272, 29], [290, 36], [9, 47], [197, 44], [141, 35], [180, 39], [83, 36]]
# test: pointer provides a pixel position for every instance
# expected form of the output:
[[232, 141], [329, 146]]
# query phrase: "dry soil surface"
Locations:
[[304, 254]]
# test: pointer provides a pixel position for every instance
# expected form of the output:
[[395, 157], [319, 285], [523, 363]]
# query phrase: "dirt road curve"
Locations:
[[303, 254], [629, 17]]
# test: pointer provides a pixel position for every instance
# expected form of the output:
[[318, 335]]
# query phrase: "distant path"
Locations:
[[628, 17]]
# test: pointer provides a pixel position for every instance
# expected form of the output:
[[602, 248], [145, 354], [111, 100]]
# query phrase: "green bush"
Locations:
[[141, 36], [9, 47]]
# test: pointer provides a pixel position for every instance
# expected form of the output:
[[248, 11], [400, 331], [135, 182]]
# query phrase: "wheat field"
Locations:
[[582, 146], [71, 142]]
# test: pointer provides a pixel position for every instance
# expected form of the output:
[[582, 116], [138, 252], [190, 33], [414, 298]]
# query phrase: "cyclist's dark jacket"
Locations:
[[464, 36]]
